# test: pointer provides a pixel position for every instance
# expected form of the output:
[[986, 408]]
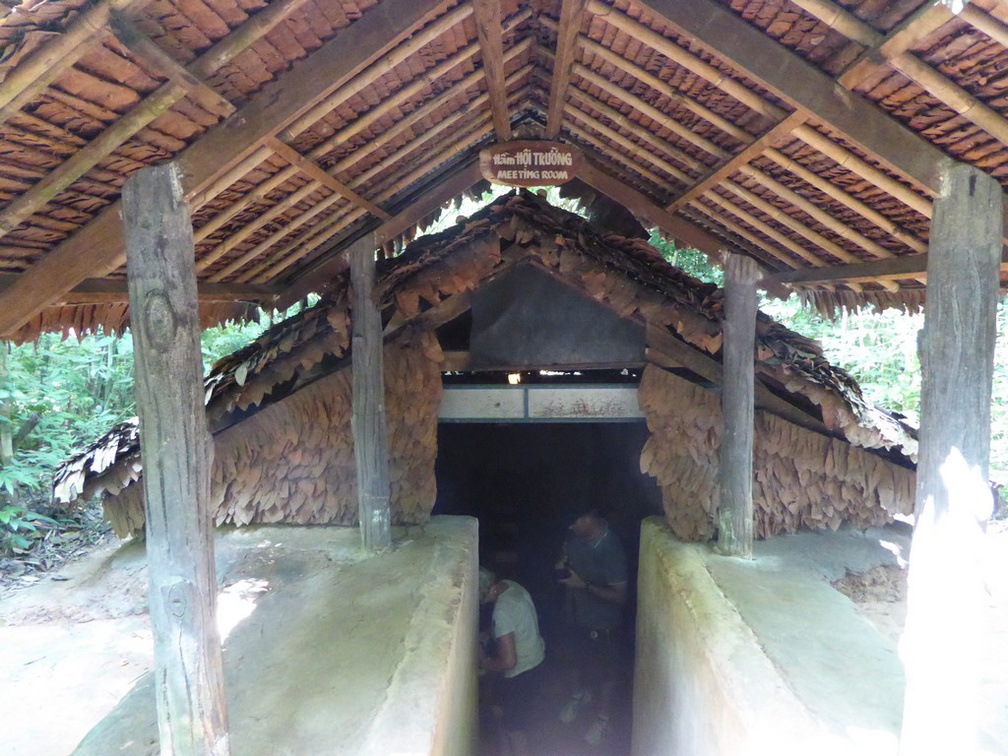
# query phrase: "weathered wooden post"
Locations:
[[368, 421], [942, 639], [177, 452], [735, 508]]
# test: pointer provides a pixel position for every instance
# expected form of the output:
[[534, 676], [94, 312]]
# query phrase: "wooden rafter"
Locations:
[[682, 230], [488, 28], [571, 14], [144, 48], [98, 247], [891, 50], [335, 262], [805, 87]]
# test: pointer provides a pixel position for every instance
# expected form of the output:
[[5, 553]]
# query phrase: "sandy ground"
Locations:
[[75, 643]]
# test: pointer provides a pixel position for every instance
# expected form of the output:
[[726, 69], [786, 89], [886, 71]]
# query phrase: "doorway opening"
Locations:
[[521, 480]]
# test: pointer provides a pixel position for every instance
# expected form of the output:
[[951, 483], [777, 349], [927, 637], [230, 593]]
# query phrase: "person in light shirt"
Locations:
[[513, 654]]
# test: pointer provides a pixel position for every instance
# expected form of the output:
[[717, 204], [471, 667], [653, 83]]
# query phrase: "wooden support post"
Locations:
[[368, 420], [735, 510], [941, 642], [177, 452]]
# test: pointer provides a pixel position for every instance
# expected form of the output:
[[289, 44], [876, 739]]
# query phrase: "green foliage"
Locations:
[[693, 261]]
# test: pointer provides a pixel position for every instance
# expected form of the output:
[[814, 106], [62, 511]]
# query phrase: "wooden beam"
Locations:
[[316, 172], [107, 290], [98, 247], [730, 166], [488, 29], [159, 61], [685, 233], [177, 452], [735, 472], [805, 87], [571, 15], [335, 262], [942, 642], [370, 433]]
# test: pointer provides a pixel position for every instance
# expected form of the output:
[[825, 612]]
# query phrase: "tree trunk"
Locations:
[[368, 420], [942, 640], [735, 509], [177, 451]]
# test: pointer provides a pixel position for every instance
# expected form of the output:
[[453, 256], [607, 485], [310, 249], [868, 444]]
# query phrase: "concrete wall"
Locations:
[[706, 684], [340, 652]]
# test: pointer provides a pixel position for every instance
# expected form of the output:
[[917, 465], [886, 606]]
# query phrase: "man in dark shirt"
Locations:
[[596, 592]]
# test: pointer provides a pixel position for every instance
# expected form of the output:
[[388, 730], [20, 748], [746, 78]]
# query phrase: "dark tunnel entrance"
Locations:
[[520, 481]]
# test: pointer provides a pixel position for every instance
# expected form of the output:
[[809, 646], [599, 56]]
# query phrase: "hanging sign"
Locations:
[[530, 163]]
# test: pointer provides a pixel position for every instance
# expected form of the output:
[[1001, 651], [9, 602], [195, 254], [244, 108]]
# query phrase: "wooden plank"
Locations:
[[805, 87], [98, 247], [488, 29], [177, 452], [370, 433], [571, 15], [942, 641], [735, 472]]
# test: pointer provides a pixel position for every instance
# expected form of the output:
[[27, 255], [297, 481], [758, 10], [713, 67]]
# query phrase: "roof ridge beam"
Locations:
[[571, 18], [491, 44]]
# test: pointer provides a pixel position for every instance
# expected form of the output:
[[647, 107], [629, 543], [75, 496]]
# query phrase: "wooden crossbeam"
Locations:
[[316, 172], [110, 290], [335, 262], [714, 177], [686, 233], [805, 87], [488, 30], [571, 15], [98, 247], [144, 48]]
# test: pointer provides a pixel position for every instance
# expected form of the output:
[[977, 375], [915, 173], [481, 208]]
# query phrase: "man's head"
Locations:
[[587, 523]]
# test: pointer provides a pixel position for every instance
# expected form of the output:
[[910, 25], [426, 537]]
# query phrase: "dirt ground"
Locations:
[[75, 642]]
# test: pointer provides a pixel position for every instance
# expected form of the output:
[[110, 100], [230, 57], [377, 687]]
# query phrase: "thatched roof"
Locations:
[[429, 284], [807, 134]]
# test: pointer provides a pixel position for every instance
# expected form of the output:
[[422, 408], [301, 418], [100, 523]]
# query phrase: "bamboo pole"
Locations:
[[43, 66], [83, 160], [869, 173], [848, 200]]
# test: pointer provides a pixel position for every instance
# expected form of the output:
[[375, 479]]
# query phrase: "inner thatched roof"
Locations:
[[429, 284]]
